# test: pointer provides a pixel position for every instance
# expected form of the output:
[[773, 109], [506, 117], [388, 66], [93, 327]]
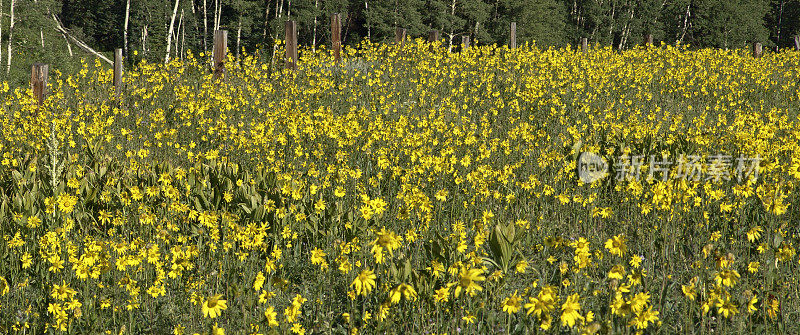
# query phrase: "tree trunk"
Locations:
[[369, 26], [144, 41], [218, 19], [238, 37], [205, 28], [450, 38], [1, 29], [69, 47], [780, 23], [314, 35], [183, 36], [177, 39], [266, 23], [10, 36], [685, 21], [278, 14], [169, 32], [125, 30]]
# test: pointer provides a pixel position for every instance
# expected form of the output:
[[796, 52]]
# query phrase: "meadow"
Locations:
[[407, 190]]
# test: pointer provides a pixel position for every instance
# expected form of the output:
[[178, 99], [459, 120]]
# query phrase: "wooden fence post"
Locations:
[[433, 36], [336, 36], [39, 82], [648, 40], [219, 53], [757, 50], [797, 42], [291, 45], [584, 44], [512, 43], [400, 36], [464, 43], [118, 72]]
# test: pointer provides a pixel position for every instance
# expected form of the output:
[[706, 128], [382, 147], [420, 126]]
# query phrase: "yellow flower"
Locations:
[[62, 292], [689, 291], [544, 302], [726, 307], [617, 272], [511, 305], [403, 290], [364, 282], [753, 267], [754, 234], [644, 317], [214, 306], [3, 286], [467, 281], [521, 266], [727, 277], [217, 331], [636, 261], [569, 311], [617, 245], [469, 318], [751, 306], [259, 282]]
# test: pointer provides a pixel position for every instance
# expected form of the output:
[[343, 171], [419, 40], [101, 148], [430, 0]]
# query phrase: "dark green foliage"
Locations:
[[255, 25]]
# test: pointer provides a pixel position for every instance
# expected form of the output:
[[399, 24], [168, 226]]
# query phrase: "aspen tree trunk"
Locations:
[[452, 31], [685, 22], [778, 32], [1, 30], [314, 38], [69, 47], [125, 30], [266, 22], [169, 32], [278, 14], [205, 28], [10, 37], [218, 18], [238, 37], [144, 40], [183, 40], [216, 6], [177, 39], [369, 28]]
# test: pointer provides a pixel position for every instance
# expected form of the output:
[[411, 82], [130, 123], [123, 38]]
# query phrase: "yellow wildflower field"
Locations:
[[407, 190]]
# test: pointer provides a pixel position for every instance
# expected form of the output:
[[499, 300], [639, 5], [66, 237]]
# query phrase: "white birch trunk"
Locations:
[[169, 32], [10, 37], [205, 28], [314, 38], [125, 30], [1, 30]]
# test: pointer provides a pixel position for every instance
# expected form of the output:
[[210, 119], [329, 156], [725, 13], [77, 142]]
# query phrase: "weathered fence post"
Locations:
[[648, 40], [117, 72], [464, 43], [400, 36], [433, 36], [39, 82], [219, 52], [512, 42], [757, 50], [336, 36], [291, 45], [584, 44], [797, 42]]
